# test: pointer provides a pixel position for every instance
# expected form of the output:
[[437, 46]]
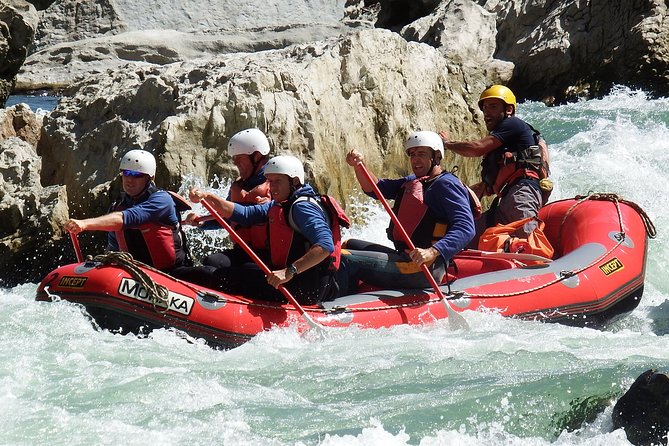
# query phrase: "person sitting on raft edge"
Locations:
[[514, 166], [434, 208], [249, 149], [144, 221]]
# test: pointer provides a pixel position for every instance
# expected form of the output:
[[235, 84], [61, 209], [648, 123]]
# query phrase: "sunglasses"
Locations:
[[132, 173]]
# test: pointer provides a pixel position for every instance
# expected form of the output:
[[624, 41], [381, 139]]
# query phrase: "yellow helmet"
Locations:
[[499, 92]]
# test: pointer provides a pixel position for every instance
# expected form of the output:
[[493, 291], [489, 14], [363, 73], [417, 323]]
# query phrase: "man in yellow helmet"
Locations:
[[515, 160]]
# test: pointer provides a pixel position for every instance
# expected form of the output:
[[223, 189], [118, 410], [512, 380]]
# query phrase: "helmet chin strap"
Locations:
[[434, 164], [293, 188], [254, 163]]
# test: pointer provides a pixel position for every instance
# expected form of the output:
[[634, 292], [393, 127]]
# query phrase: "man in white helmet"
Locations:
[[249, 150], [144, 221], [303, 252], [434, 209]]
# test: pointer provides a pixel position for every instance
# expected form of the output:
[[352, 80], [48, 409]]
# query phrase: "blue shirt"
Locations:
[[307, 216], [157, 207], [448, 199], [514, 133]]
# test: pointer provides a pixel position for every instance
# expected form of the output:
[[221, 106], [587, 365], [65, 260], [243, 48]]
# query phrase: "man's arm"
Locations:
[[451, 203], [108, 222], [356, 160], [479, 147], [315, 255], [158, 207], [223, 206]]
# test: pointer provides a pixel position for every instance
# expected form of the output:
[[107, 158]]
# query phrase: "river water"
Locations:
[[39, 103], [504, 382]]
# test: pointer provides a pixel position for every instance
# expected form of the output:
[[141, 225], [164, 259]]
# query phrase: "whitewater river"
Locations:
[[504, 382]]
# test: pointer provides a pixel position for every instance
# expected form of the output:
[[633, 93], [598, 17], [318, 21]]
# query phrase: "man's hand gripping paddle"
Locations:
[[455, 319]]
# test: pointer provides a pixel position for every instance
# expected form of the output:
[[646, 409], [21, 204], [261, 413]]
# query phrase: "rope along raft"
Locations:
[[616, 200], [157, 294]]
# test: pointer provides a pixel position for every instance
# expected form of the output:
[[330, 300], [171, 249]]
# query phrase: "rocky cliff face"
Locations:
[[545, 50], [31, 216], [76, 39], [566, 50], [18, 20], [314, 100]]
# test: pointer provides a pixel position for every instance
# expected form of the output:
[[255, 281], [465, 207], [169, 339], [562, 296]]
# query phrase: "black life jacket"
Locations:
[[505, 165]]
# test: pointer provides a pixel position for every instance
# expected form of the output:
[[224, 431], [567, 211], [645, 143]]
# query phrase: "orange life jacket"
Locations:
[[256, 235]]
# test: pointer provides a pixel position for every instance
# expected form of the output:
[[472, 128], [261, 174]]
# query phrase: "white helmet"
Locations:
[[248, 141], [425, 139], [139, 161], [287, 165]]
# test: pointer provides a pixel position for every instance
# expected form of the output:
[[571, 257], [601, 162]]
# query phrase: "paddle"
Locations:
[[77, 248], [455, 319], [505, 255], [312, 323]]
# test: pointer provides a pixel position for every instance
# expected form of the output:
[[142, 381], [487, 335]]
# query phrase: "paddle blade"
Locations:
[[455, 320]]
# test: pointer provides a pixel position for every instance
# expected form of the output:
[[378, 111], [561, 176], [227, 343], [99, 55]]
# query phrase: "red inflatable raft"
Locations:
[[596, 274]]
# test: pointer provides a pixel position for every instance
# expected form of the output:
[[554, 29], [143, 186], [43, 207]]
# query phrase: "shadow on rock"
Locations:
[[643, 411]]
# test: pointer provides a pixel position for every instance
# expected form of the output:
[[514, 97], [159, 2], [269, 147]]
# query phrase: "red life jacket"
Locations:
[[419, 222], [287, 244], [157, 244], [504, 166], [256, 235]]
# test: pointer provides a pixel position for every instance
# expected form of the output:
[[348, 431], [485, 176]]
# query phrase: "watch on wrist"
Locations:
[[292, 269]]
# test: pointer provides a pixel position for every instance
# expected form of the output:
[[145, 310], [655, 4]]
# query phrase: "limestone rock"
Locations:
[[41, 5], [71, 21], [563, 50], [316, 101], [474, 47], [360, 11], [18, 20], [545, 50], [77, 38], [58, 66], [31, 216], [21, 122]]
